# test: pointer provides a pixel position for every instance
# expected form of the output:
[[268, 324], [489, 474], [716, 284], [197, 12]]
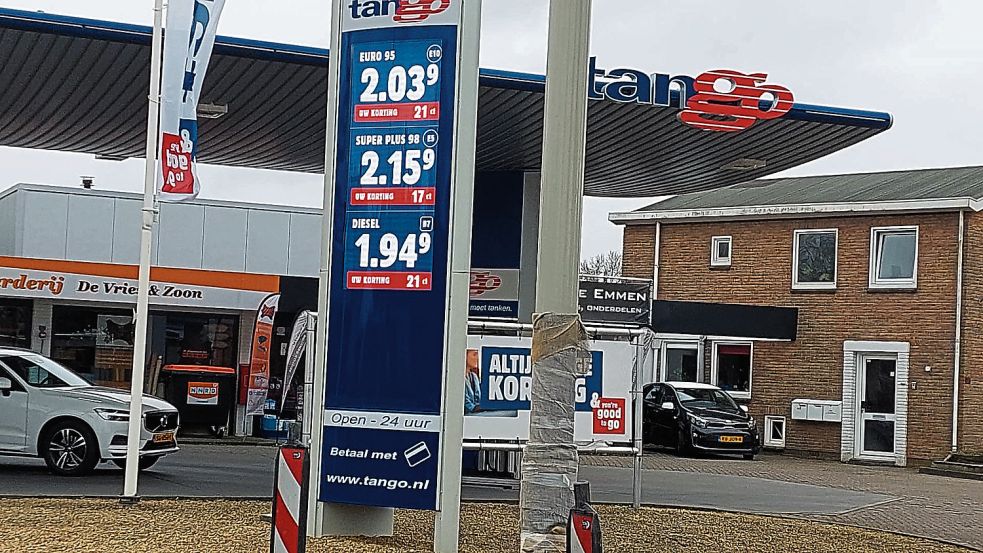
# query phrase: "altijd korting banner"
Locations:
[[188, 40]]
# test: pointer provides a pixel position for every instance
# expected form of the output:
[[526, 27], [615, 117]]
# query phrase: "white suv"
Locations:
[[48, 411]]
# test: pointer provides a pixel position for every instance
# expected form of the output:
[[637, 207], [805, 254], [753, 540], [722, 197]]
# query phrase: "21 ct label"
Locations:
[[389, 250]]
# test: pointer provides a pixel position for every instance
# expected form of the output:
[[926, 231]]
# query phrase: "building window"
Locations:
[[96, 343], [192, 339], [15, 323], [894, 257], [680, 363], [774, 431], [814, 266], [720, 251], [731, 369]]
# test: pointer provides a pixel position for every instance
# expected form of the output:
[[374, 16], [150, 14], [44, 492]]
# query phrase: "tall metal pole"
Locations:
[[549, 465], [564, 145], [146, 241], [448, 520]]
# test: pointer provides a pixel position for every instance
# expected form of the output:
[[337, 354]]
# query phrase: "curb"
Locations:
[[142, 498], [254, 442]]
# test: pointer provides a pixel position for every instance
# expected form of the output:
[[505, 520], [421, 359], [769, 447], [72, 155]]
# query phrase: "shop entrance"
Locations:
[[877, 386]]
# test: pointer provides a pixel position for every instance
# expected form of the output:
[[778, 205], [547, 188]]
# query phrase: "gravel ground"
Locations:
[[29, 525]]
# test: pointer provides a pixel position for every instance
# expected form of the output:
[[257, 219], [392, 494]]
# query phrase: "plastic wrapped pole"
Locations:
[[550, 461]]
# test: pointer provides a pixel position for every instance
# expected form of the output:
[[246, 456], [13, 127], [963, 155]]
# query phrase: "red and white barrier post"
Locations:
[[583, 526], [289, 529]]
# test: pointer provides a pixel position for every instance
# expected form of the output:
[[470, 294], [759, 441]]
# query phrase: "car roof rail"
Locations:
[[15, 348]]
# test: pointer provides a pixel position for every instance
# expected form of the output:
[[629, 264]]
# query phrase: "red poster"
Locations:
[[609, 416], [259, 361]]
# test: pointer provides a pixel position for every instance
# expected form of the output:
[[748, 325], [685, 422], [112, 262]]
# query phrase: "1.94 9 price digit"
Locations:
[[391, 250]]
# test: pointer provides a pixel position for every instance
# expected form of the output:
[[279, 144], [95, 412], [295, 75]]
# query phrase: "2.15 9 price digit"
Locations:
[[407, 167]]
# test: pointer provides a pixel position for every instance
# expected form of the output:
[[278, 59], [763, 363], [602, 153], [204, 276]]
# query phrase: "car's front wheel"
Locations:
[[70, 449], [684, 446], [145, 462]]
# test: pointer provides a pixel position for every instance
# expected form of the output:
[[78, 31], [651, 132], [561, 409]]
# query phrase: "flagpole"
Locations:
[[146, 241]]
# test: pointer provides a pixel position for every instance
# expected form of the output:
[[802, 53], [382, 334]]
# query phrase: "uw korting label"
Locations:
[[506, 379]]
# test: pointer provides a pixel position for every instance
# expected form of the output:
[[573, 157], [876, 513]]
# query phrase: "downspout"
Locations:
[[957, 346], [655, 269]]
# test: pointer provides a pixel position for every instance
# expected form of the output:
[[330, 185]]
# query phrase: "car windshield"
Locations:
[[706, 398], [41, 372]]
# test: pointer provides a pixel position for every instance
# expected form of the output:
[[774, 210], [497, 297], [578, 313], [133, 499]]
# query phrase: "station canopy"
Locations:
[[80, 85]]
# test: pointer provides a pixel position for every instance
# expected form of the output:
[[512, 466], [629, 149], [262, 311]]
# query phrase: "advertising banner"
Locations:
[[494, 293], [394, 163], [627, 303], [498, 380], [259, 361], [295, 352], [188, 40]]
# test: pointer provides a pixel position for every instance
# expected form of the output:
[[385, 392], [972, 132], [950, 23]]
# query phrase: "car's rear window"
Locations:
[[40, 372]]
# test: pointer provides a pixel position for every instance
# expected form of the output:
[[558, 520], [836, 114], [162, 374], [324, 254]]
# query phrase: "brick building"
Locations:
[[886, 270]]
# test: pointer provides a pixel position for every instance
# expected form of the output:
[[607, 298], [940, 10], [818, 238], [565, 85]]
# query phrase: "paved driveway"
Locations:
[[923, 505], [884, 498]]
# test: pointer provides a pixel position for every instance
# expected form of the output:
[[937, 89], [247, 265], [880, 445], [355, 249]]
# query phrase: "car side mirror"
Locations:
[[5, 384], [668, 406], [743, 408]]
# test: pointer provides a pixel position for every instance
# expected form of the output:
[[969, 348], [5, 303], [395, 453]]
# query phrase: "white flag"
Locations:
[[188, 40], [297, 348]]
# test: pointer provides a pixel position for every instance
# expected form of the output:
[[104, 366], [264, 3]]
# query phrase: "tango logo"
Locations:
[[401, 11]]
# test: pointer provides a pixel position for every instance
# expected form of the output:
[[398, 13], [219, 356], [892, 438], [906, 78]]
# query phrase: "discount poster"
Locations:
[[259, 361]]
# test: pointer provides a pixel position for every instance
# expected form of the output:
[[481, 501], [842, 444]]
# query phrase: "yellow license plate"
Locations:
[[732, 439], [164, 438]]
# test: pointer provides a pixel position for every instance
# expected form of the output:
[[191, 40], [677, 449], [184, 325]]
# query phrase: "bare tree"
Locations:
[[608, 264]]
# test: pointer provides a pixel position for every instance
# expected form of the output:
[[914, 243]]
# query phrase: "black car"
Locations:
[[693, 417]]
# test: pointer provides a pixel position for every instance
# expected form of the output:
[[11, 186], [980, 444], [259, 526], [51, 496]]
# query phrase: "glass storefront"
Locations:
[[97, 342], [15, 323], [197, 339]]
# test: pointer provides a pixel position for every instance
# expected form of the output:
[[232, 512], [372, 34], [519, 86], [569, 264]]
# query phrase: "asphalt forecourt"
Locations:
[[193, 526]]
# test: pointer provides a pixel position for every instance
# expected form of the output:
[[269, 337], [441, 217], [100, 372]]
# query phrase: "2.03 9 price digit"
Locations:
[[401, 83]]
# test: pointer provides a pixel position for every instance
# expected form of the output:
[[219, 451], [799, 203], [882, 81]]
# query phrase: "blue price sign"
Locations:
[[390, 257]]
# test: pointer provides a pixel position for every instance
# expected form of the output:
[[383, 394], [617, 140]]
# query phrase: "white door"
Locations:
[[13, 417], [877, 390]]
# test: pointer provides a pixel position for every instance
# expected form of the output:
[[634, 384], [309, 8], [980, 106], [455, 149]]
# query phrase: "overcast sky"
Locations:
[[919, 60]]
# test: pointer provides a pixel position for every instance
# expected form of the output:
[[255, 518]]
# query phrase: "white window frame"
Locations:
[[796, 285], [694, 345], [891, 283], [766, 435], [714, 363], [716, 260]]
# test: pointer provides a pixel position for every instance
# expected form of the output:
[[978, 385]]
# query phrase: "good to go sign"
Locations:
[[399, 98]]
